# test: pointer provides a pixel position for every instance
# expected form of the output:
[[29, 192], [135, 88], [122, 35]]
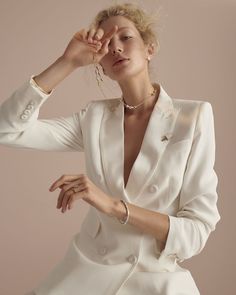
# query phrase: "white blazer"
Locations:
[[173, 174]]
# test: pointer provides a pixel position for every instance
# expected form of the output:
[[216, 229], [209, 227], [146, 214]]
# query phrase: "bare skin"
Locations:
[[78, 53], [133, 140], [132, 77]]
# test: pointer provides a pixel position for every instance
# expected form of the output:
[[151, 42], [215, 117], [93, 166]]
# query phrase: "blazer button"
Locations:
[[102, 250], [29, 107], [24, 117], [153, 188], [31, 103], [26, 112], [132, 258]]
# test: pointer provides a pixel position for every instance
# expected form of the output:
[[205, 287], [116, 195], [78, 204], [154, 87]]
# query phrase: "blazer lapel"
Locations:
[[159, 129], [111, 146]]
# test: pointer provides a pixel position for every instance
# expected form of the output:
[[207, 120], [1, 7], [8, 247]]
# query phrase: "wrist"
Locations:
[[68, 62], [117, 209]]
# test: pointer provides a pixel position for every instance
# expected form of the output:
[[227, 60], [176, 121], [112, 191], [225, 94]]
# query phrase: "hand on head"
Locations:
[[88, 46]]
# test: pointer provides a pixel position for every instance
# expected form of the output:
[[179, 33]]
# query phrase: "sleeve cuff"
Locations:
[[39, 90]]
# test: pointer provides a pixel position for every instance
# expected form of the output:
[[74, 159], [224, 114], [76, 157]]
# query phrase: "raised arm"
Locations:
[[19, 123], [21, 128]]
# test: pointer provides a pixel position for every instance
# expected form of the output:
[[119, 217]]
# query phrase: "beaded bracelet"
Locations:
[[127, 213]]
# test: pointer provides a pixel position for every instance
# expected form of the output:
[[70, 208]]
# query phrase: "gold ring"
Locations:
[[73, 189]]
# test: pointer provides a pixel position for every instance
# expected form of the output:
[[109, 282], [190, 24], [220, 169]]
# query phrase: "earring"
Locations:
[[97, 73], [103, 71], [148, 58], [99, 77]]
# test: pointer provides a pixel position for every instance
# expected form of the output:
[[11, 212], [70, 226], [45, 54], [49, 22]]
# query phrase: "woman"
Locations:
[[150, 176]]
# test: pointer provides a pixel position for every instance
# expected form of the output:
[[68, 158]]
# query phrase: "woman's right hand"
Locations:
[[88, 46]]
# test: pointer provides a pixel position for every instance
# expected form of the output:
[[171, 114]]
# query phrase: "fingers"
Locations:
[[99, 34], [103, 50], [94, 34], [81, 35], [67, 183], [70, 202], [104, 47], [67, 198], [66, 188], [110, 34], [106, 39], [63, 199], [64, 179]]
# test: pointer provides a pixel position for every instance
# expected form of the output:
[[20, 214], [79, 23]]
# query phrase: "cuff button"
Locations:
[[24, 117], [29, 107], [26, 112]]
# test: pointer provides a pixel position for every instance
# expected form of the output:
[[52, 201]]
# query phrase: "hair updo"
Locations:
[[142, 20]]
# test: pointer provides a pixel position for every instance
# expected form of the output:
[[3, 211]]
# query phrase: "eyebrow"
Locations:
[[121, 28]]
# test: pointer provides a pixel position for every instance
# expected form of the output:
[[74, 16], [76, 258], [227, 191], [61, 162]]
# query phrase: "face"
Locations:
[[126, 43]]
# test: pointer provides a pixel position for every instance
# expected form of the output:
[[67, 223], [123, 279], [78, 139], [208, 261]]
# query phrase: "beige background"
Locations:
[[196, 61]]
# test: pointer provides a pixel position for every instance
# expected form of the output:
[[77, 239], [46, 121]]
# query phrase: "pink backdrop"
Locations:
[[196, 61]]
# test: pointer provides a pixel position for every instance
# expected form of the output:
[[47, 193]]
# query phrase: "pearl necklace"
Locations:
[[131, 107]]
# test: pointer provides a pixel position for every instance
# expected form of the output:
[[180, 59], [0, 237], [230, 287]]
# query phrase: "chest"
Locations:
[[134, 132]]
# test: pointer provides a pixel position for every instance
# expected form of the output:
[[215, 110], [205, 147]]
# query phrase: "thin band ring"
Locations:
[[74, 189]]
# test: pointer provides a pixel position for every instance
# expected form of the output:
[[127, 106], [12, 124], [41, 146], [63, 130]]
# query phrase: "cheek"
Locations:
[[105, 62], [138, 60], [137, 53]]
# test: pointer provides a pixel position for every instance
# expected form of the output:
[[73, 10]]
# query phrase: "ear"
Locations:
[[150, 49]]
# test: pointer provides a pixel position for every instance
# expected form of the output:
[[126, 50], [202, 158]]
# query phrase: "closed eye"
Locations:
[[124, 37], [127, 37]]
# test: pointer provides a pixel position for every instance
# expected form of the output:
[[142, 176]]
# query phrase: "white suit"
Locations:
[[173, 174]]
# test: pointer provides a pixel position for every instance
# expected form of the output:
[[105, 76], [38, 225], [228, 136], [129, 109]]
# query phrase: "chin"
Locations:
[[127, 74]]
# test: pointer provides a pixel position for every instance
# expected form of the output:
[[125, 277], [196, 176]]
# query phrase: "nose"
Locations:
[[114, 51], [115, 48]]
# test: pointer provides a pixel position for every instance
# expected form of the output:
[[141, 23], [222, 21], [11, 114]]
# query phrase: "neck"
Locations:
[[136, 92]]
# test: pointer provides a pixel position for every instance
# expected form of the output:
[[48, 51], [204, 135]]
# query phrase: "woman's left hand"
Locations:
[[75, 187]]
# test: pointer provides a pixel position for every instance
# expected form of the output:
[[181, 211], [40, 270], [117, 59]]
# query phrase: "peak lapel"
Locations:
[[158, 132], [159, 129]]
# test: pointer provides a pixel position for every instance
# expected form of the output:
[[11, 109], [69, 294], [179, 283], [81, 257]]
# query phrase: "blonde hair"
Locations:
[[143, 21]]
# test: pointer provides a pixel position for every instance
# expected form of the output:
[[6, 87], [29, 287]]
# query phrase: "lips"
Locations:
[[118, 60]]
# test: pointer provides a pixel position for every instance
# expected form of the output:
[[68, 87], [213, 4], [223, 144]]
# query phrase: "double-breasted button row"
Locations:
[[27, 111], [132, 258], [153, 188], [102, 250]]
